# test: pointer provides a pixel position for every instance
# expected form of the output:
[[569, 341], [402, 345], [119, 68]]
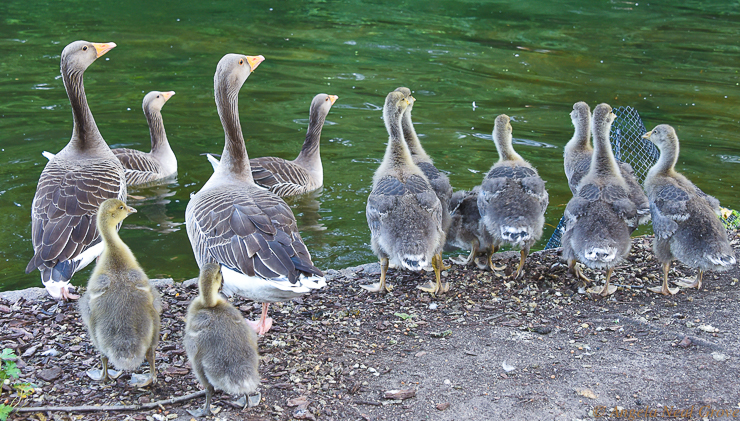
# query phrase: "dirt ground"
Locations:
[[491, 348]]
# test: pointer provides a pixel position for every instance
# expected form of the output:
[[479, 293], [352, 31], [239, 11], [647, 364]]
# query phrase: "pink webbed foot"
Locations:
[[261, 326]]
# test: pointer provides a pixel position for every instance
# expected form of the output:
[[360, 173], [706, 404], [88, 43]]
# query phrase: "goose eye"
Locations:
[[120, 207], [84, 48], [157, 96], [241, 62]]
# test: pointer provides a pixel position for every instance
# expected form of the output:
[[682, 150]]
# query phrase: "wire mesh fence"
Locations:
[[629, 146]]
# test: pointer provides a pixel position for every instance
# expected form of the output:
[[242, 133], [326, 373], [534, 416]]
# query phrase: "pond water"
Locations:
[[466, 61]]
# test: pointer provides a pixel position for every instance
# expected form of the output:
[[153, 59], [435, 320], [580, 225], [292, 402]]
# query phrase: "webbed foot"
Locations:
[[141, 380], [429, 286], [664, 290]]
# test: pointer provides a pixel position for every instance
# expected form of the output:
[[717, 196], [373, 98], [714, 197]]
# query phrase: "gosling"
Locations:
[[120, 307], [221, 346]]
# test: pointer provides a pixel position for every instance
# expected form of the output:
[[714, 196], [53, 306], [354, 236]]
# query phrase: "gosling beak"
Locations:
[[168, 95], [333, 99], [130, 210], [102, 48], [254, 61], [647, 135]]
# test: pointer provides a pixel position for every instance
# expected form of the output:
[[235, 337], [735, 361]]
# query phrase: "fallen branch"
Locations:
[[92, 408]]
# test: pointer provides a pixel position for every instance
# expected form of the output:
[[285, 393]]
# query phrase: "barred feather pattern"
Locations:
[[248, 230], [64, 208], [140, 167], [280, 176]]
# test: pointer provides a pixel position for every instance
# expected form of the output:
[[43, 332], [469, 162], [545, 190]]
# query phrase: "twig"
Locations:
[[92, 408]]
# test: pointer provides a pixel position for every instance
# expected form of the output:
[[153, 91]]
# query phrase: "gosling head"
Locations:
[[395, 105], [78, 55], [603, 119], [581, 115], [662, 136], [209, 282], [113, 211], [155, 100]]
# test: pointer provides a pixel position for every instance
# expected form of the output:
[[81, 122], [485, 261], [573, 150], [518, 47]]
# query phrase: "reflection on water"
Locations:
[[152, 202], [466, 62]]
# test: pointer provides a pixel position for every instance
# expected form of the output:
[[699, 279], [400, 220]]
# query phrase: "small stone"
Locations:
[[719, 356], [399, 394], [685, 342], [443, 406], [49, 374]]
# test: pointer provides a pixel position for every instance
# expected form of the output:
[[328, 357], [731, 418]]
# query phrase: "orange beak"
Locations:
[[333, 99], [254, 61], [131, 210], [168, 95], [647, 135], [103, 48]]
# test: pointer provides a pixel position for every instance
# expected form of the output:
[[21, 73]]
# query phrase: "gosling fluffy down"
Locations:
[[120, 307], [221, 346]]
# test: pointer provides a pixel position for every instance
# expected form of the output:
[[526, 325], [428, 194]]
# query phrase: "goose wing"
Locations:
[[280, 176], [139, 167], [248, 230], [64, 208]]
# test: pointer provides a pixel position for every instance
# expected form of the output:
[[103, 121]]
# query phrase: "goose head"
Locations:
[[155, 100], [233, 70], [322, 103], [77, 56], [113, 211]]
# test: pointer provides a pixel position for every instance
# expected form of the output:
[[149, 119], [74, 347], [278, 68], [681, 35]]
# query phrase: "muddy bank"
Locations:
[[490, 348]]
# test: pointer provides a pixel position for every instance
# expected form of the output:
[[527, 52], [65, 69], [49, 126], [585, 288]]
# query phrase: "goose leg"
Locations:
[[264, 324], [489, 263], [523, 255], [206, 410], [140, 380], [67, 294], [696, 284], [473, 251], [664, 289], [606, 289], [380, 286]]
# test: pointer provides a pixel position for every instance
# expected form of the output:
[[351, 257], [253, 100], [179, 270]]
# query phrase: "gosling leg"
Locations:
[[434, 287], [474, 245], [139, 380], [664, 289], [607, 289], [380, 286], [103, 375], [206, 410], [523, 255], [582, 279]]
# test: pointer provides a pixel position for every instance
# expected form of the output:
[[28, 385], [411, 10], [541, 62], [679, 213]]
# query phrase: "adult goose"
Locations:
[[577, 161], [512, 199], [438, 180], [305, 173], [685, 219], [597, 219], [73, 185], [160, 163], [250, 231], [403, 213]]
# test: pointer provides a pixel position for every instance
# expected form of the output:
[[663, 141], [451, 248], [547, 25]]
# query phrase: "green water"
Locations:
[[676, 63]]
